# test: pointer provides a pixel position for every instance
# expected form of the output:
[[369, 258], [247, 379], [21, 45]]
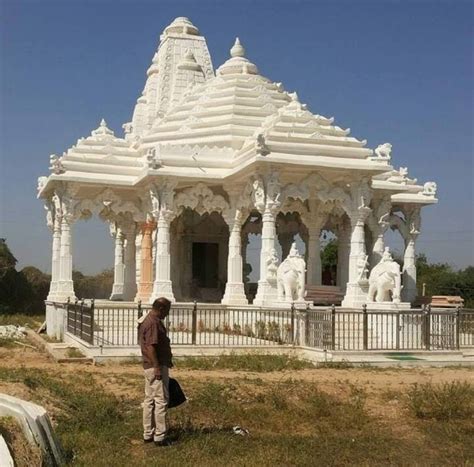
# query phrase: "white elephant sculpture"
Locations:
[[291, 277], [384, 278]]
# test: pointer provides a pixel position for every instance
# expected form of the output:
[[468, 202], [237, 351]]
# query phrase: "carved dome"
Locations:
[[181, 25], [239, 106]]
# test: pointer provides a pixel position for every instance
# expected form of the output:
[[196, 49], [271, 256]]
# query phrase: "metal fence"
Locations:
[[330, 329], [355, 330], [80, 320]]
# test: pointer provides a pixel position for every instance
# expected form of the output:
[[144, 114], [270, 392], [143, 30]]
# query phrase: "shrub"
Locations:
[[448, 401]]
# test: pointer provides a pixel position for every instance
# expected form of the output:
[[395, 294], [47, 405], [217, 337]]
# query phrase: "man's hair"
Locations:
[[161, 303]]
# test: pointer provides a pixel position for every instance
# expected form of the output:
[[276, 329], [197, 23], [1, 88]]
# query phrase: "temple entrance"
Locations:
[[199, 246], [205, 260]]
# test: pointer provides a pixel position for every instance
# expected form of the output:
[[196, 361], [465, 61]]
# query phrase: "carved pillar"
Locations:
[[130, 273], [409, 291], [162, 202], [138, 256], [314, 268], [162, 286], [65, 285], [343, 251], [266, 291], [54, 220], [234, 289], [146, 270], [379, 223], [358, 260], [119, 266]]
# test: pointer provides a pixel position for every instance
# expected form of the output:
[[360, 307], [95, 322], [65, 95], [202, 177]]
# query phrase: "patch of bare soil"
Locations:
[[24, 454]]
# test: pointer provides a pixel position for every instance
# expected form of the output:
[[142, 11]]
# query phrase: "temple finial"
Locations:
[[237, 50], [103, 123]]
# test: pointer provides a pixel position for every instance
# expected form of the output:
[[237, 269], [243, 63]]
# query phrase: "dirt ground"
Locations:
[[383, 387], [329, 379]]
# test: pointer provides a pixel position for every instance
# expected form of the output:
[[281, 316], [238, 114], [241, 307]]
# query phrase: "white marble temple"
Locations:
[[211, 156]]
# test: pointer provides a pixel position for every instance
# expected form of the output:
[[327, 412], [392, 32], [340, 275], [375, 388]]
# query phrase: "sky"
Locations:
[[396, 71]]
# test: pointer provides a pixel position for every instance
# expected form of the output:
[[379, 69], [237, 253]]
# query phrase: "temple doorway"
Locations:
[[199, 246], [205, 264]]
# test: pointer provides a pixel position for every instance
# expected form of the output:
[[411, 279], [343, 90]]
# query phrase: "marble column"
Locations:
[[358, 264], [234, 289], [65, 285], [130, 273], [138, 255], [119, 266], [378, 246], [409, 291], [162, 286], [146, 270], [266, 291], [56, 258], [343, 251], [313, 265]]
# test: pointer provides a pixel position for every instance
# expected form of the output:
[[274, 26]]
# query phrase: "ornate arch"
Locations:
[[201, 199]]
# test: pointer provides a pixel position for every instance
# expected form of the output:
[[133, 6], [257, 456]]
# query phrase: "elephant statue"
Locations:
[[291, 277], [385, 278]]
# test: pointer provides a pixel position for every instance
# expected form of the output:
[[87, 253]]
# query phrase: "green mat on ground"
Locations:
[[402, 356]]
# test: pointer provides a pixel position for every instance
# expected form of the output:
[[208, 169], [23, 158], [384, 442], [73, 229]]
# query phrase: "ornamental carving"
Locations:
[[383, 152], [429, 189], [201, 199], [56, 165]]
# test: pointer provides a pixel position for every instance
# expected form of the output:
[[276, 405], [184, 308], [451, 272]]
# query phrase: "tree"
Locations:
[[441, 279], [329, 262], [15, 291]]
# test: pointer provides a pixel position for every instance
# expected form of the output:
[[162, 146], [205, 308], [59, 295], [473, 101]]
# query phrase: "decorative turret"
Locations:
[[102, 130], [237, 63], [181, 25], [181, 61]]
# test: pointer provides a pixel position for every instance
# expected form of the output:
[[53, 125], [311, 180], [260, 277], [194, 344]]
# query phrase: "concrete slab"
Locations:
[[36, 425], [6, 459]]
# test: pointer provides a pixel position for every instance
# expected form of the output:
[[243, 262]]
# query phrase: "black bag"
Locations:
[[177, 396]]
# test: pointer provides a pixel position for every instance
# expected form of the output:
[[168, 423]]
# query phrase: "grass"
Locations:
[[21, 319], [72, 352], [448, 401], [291, 422], [248, 362], [7, 342]]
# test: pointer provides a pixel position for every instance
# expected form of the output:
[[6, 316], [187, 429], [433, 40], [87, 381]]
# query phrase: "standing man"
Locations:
[[156, 353]]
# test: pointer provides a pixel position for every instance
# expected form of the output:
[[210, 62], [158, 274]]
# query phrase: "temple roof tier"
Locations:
[[191, 123]]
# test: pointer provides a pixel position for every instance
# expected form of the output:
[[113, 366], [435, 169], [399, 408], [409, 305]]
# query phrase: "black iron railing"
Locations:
[[330, 328], [80, 320]]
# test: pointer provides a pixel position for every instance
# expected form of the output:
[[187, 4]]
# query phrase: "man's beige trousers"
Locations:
[[155, 404]]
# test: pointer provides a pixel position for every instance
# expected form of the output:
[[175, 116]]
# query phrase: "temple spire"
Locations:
[[237, 49]]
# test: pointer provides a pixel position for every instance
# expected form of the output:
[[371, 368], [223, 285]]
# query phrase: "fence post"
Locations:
[[397, 337], [82, 316], [67, 313], [428, 328], [92, 320], [75, 315], [458, 327], [365, 328], [306, 326], [292, 324], [333, 327], [194, 323]]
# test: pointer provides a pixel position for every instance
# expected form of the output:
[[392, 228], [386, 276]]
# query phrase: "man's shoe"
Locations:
[[163, 443], [148, 440]]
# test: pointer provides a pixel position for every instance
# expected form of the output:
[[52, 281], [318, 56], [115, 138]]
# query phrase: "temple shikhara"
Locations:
[[213, 156]]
